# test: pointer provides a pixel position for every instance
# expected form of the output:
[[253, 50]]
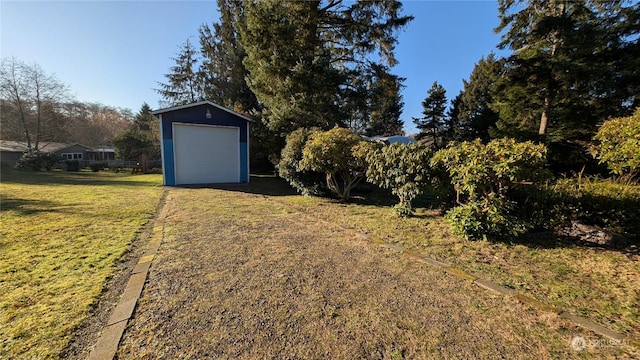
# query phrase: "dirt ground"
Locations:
[[242, 275]]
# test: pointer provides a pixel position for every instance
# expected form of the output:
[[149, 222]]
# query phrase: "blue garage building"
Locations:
[[203, 143]]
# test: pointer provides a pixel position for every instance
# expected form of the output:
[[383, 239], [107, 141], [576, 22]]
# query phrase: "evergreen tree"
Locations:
[[307, 60], [223, 76], [475, 113], [183, 86], [290, 70], [452, 129], [143, 137], [222, 72], [559, 82], [144, 120], [385, 103], [434, 106]]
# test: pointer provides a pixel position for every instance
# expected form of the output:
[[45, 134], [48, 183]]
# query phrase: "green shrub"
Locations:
[[618, 144], [72, 165], [97, 166], [402, 168], [341, 155], [485, 178], [36, 160], [492, 218], [609, 203], [305, 182]]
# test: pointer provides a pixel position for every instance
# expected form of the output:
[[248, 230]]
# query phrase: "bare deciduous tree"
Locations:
[[30, 96]]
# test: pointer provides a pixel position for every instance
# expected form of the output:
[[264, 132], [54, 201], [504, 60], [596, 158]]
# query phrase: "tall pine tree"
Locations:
[[434, 107], [307, 60], [224, 78], [476, 116], [183, 85], [385, 103], [574, 64], [222, 73]]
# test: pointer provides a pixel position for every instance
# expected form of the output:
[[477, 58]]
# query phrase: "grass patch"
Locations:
[[61, 235], [600, 283]]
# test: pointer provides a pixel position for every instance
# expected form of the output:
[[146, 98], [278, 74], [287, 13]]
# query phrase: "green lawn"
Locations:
[[61, 234]]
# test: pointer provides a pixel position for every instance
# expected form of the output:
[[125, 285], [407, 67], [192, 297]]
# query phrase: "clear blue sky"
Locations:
[[115, 52]]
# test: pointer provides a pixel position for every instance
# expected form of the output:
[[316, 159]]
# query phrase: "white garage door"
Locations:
[[206, 154]]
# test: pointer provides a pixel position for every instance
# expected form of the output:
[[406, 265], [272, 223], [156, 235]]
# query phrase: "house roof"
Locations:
[[206, 102], [104, 149], [392, 139], [21, 146]]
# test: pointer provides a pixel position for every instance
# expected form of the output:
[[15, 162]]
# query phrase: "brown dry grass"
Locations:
[[245, 275]]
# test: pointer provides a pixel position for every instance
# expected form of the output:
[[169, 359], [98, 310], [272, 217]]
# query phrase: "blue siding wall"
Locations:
[[197, 115], [244, 166], [167, 163]]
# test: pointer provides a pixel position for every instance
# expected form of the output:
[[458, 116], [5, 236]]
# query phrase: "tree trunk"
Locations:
[[24, 125], [556, 39], [544, 119]]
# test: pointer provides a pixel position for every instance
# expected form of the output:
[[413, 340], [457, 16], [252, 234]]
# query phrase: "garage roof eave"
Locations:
[[199, 103]]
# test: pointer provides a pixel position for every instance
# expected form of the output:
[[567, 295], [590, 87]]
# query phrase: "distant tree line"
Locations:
[[36, 107]]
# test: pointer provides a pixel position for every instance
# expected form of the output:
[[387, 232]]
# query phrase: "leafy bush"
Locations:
[[304, 181], [402, 168], [341, 155], [72, 165], [618, 144], [491, 217], [97, 166], [36, 160], [485, 178]]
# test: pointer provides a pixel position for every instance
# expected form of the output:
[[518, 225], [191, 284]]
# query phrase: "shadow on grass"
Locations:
[[552, 240], [267, 185], [26, 206], [369, 195], [67, 178], [364, 194]]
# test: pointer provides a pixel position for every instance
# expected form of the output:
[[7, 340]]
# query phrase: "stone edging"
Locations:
[[107, 345]]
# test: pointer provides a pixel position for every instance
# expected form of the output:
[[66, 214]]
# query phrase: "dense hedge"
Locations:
[[502, 189]]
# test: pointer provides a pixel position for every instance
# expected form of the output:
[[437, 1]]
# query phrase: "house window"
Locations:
[[72, 156]]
